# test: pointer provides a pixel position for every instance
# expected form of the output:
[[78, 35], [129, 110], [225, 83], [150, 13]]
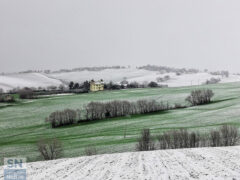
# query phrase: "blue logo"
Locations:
[[15, 169]]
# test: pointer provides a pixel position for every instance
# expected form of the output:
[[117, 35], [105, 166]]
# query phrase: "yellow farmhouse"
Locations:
[[96, 85]]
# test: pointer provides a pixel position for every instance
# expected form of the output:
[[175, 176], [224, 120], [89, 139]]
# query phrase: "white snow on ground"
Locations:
[[200, 163], [141, 76], [107, 75], [8, 82]]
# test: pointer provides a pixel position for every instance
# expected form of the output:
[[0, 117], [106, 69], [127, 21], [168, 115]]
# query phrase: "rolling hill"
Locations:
[[10, 81]]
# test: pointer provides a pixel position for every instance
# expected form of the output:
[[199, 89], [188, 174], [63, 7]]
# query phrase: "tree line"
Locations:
[[226, 135], [118, 108], [101, 110]]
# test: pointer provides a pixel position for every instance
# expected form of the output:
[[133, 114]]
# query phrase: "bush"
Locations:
[[213, 81], [145, 142], [50, 149], [199, 97]]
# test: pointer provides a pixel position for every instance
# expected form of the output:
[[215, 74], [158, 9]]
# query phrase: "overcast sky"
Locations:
[[54, 34]]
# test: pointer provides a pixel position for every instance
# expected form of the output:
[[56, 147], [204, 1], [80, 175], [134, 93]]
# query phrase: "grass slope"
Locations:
[[22, 124]]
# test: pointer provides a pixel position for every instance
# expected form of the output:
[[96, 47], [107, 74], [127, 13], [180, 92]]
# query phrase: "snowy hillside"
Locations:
[[200, 163], [141, 76], [11, 81]]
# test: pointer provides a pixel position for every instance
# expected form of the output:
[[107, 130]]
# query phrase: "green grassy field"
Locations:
[[22, 123]]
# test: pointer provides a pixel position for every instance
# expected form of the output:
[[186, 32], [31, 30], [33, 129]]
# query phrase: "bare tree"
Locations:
[[145, 142], [229, 135], [165, 140], [50, 149], [194, 140], [215, 138]]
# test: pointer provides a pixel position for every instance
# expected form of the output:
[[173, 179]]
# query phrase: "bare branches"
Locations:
[[227, 135], [145, 142], [199, 97], [61, 118], [50, 149]]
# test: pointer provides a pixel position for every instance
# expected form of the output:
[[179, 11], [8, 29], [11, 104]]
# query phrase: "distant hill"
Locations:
[[162, 75]]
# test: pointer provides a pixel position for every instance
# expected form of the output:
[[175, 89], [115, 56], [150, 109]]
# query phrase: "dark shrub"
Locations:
[[153, 84]]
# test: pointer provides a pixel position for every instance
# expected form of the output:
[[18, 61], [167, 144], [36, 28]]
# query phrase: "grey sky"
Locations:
[[54, 34]]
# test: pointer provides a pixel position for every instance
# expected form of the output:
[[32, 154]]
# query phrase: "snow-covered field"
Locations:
[[36, 80], [11, 81], [200, 163]]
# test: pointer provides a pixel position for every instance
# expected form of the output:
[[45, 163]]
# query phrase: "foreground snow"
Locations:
[[199, 163]]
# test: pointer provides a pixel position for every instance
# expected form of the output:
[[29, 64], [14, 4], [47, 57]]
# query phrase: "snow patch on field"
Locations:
[[199, 163]]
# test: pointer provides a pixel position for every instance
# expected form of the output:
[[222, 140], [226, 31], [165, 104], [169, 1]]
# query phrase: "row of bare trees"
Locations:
[[101, 110], [226, 135], [118, 108]]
